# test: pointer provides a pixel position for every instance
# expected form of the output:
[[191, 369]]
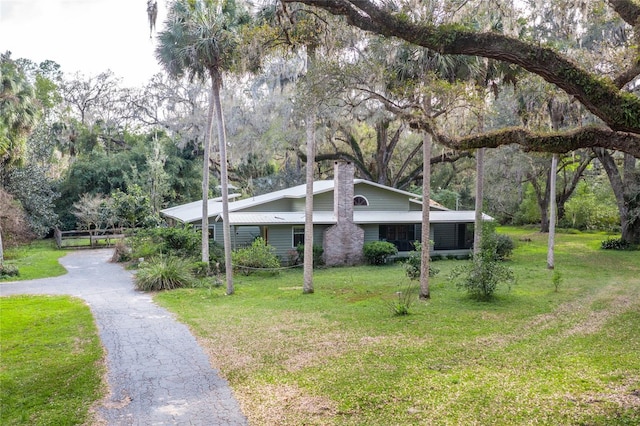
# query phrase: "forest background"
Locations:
[[84, 151]]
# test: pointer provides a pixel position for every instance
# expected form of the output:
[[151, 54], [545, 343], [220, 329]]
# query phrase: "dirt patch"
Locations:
[[285, 405]]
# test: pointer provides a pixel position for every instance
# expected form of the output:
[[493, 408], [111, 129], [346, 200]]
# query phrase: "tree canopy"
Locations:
[[604, 96]]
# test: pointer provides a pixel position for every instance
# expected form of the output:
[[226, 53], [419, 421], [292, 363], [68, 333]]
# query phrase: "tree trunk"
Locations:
[[1, 249], [224, 184], [205, 177], [426, 197], [628, 209], [307, 287], [477, 232], [552, 213]]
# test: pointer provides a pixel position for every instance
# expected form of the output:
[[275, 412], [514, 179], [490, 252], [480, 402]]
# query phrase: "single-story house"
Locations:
[[347, 213]]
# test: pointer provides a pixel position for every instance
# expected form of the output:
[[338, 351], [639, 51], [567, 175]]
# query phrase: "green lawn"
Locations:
[[36, 260], [339, 356], [51, 361]]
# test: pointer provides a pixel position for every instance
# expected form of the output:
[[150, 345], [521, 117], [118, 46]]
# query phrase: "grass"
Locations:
[[36, 260], [51, 370], [341, 357]]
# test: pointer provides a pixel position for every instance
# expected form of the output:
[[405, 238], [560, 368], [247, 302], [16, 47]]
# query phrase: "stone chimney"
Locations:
[[343, 241]]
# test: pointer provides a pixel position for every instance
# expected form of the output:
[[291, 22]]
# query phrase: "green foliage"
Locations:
[[592, 206], [172, 241], [379, 363], [30, 185], [378, 252], [556, 279], [401, 304], [259, 255], [616, 244], [494, 245], [481, 277], [449, 199], [317, 255], [412, 265], [52, 365], [121, 252], [38, 259], [8, 271], [500, 245], [133, 209], [164, 273], [528, 211]]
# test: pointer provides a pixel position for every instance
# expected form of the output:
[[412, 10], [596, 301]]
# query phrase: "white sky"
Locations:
[[86, 36]]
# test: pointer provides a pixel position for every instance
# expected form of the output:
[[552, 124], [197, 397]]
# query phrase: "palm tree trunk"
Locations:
[[477, 232], [552, 212], [226, 227], [426, 197], [205, 181], [308, 205]]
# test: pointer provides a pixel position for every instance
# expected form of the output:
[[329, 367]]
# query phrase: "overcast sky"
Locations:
[[86, 36]]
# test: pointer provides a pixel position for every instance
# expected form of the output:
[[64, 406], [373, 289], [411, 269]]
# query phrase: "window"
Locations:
[[359, 200], [402, 236], [212, 231], [298, 235]]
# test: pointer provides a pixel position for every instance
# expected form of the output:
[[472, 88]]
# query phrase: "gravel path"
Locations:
[[157, 373]]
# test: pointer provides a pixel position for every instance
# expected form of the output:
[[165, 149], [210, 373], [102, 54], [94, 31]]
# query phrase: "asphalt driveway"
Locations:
[[157, 373]]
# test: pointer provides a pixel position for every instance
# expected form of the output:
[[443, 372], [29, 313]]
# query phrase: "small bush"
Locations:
[[164, 273], [414, 262], [122, 252], [556, 279], [378, 252], [500, 245], [481, 277], [201, 269], [401, 305], [317, 255], [615, 244], [259, 255], [7, 271]]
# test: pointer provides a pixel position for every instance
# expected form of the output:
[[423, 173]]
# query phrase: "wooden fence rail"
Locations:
[[92, 238]]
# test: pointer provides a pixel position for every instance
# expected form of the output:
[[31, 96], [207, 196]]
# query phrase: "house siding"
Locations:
[[380, 199], [243, 236]]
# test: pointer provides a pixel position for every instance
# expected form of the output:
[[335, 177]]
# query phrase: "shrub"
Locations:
[[401, 305], [317, 255], [499, 246], [414, 262], [164, 273], [7, 271], [556, 279], [481, 277], [122, 252], [378, 252], [259, 255], [615, 244], [182, 242]]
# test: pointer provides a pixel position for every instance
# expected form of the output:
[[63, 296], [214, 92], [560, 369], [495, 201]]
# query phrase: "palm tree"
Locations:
[[19, 111], [201, 40]]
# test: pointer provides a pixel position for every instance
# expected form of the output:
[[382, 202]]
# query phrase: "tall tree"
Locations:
[[605, 96], [201, 40], [19, 111]]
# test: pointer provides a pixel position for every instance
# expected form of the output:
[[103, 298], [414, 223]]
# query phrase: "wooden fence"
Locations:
[[93, 238]]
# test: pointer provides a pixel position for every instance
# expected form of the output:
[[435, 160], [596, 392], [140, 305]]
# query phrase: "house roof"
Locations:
[[359, 217], [192, 212]]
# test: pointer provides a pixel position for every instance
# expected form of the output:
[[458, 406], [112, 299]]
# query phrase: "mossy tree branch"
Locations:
[[559, 142], [618, 109]]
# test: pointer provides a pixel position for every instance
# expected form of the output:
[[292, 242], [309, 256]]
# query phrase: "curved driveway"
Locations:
[[158, 375]]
